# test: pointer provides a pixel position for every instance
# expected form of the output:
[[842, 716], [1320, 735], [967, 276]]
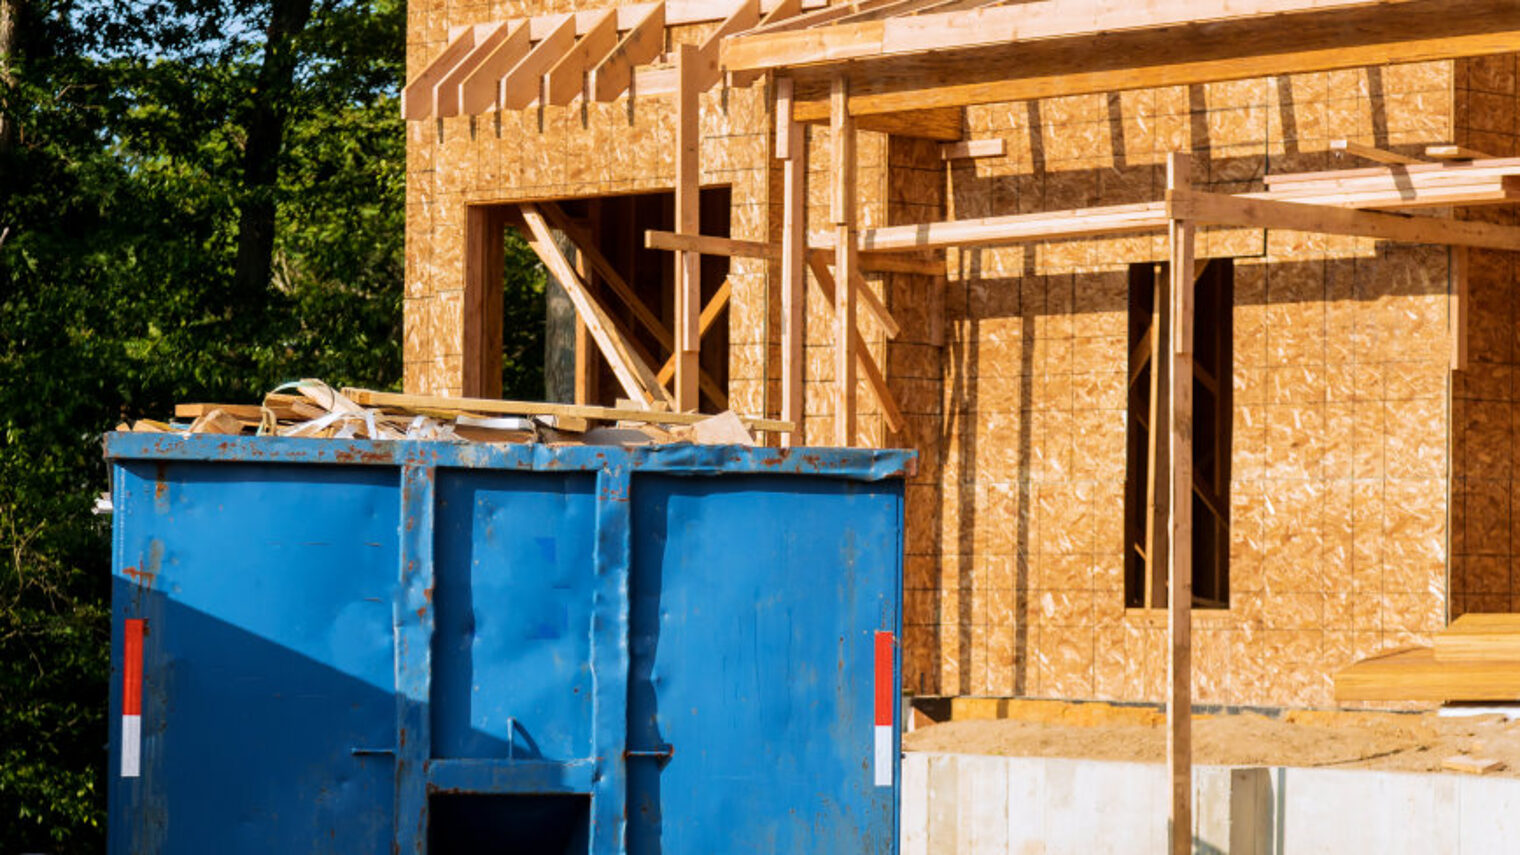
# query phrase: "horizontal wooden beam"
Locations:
[[1012, 228], [1412, 174], [875, 262], [1021, 22], [991, 147], [491, 406], [1220, 209], [1184, 54]]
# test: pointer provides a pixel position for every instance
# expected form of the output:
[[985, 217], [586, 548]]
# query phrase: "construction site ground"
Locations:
[[1394, 741]]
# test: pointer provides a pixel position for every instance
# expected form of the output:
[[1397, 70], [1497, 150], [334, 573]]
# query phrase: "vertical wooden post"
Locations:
[[481, 325], [588, 366], [1179, 731], [842, 215], [791, 147], [1459, 305], [688, 297]]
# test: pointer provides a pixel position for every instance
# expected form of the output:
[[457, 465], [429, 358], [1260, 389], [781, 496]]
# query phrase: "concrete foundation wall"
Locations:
[[966, 804]]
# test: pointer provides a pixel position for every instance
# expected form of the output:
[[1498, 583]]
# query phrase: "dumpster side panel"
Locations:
[[264, 596], [512, 638], [756, 605]]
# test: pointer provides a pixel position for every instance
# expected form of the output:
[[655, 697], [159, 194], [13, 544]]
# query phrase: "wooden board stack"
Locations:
[[312, 409], [1477, 658]]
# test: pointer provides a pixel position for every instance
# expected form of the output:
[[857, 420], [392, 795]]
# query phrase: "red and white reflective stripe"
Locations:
[[131, 698], [885, 707]]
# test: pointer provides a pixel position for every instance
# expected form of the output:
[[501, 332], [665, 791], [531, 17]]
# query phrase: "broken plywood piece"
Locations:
[[1471, 765]]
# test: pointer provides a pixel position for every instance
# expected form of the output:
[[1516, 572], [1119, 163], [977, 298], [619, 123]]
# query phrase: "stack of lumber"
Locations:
[[311, 408], [1477, 658]]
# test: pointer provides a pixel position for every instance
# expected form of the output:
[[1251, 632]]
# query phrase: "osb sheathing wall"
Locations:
[[559, 153], [1339, 494], [1349, 490], [1484, 441]]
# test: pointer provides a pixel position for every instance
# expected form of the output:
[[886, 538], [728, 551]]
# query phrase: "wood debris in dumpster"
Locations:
[[313, 409]]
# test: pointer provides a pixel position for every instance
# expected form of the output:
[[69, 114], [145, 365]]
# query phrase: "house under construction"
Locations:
[[1234, 277]]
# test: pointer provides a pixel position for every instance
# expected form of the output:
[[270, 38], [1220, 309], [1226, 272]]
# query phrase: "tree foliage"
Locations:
[[125, 186]]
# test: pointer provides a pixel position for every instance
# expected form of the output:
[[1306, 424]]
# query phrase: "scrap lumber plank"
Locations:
[[1455, 152], [1472, 765], [440, 404], [1372, 153], [633, 374], [524, 83], [1415, 674], [1476, 636], [1179, 734], [868, 366], [567, 78], [611, 76], [1324, 219], [481, 88]]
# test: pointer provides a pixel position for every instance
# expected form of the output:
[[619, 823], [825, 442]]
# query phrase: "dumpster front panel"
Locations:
[[514, 559], [264, 601], [756, 606], [324, 646]]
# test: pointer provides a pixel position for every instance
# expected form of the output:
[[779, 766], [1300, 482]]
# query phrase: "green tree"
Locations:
[[199, 199]]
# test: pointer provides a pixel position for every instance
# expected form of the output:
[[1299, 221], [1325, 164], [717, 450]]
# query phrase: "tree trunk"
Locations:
[[10, 11], [264, 125]]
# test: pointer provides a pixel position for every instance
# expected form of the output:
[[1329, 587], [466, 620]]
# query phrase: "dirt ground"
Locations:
[[1345, 739]]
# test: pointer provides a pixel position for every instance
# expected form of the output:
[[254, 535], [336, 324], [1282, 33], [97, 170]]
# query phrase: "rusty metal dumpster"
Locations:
[[332, 646]]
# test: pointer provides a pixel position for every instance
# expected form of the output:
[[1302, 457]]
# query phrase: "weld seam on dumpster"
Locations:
[[609, 662], [413, 620]]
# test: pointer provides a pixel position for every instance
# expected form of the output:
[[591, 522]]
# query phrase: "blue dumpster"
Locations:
[[349, 647]]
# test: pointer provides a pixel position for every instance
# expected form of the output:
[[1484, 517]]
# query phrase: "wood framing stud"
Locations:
[[1459, 307], [791, 146], [842, 214], [889, 408], [1179, 732], [688, 266]]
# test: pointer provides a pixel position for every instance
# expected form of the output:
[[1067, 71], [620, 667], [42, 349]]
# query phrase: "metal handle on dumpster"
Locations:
[[371, 752]]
